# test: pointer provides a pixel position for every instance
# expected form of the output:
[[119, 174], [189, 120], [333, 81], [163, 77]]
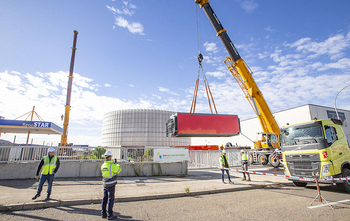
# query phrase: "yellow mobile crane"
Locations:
[[263, 148], [314, 148], [69, 92]]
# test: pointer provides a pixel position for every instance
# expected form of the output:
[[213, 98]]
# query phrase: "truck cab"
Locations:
[[316, 147]]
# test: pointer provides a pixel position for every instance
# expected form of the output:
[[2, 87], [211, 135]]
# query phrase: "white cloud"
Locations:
[[133, 27], [211, 47], [47, 92], [156, 96], [162, 89], [248, 5], [217, 74], [269, 29], [334, 46], [126, 9], [107, 85], [131, 85]]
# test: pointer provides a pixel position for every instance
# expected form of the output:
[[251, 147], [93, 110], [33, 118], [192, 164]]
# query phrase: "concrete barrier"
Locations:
[[26, 170]]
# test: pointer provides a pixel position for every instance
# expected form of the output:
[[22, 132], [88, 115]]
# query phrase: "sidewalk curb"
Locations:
[[58, 203]]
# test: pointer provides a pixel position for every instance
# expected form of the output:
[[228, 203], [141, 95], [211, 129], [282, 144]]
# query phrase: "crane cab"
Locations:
[[266, 141]]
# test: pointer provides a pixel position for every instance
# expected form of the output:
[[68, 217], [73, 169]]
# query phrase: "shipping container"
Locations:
[[202, 125]]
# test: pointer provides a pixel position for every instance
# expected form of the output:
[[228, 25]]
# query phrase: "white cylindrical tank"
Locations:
[[138, 127]]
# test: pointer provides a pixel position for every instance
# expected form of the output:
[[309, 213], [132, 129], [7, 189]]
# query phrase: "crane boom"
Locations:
[[69, 92], [238, 66]]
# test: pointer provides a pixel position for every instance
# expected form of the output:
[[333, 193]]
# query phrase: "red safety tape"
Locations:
[[278, 175]]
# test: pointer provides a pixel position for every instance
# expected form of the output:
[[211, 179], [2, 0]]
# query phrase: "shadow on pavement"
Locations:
[[24, 214], [97, 213], [19, 184]]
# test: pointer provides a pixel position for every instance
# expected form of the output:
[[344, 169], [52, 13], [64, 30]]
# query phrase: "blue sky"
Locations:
[[142, 54]]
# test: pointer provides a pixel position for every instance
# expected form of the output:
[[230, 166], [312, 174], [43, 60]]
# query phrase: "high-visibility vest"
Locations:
[[222, 161], [49, 166], [109, 173], [244, 156]]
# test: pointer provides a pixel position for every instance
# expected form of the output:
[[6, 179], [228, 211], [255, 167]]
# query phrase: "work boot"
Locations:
[[223, 182], [243, 179], [112, 217], [36, 196], [248, 179], [104, 216], [231, 182], [47, 198]]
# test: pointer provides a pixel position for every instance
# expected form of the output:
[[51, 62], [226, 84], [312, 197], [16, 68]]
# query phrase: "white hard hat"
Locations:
[[224, 151], [51, 150], [108, 153], [242, 151]]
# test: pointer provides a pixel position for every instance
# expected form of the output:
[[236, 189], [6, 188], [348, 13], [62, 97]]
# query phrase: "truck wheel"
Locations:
[[262, 159], [346, 185], [251, 159], [300, 184], [274, 162]]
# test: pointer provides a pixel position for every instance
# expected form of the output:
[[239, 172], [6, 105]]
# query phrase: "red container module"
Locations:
[[210, 147], [202, 125]]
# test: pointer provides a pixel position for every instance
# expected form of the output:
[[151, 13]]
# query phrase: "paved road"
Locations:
[[287, 203]]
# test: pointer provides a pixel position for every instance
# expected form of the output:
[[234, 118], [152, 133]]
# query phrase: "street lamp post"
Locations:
[[335, 99]]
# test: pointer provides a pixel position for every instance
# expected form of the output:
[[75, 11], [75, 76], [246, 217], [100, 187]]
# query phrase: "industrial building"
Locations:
[[138, 128], [251, 127]]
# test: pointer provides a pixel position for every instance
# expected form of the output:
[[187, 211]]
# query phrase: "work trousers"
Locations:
[[228, 175], [108, 197], [42, 180], [245, 167]]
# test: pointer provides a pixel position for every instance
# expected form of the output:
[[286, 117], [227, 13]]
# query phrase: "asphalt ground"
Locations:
[[269, 203], [17, 194]]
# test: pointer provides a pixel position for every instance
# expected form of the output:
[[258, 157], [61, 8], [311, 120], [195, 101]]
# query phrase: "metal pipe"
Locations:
[[335, 107]]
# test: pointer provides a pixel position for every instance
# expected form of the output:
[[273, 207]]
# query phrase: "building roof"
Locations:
[[34, 127]]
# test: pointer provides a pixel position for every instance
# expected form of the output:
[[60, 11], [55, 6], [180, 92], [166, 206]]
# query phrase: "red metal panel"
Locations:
[[205, 125], [211, 147]]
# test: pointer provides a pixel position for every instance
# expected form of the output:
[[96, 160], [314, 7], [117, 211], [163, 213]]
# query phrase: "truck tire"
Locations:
[[346, 185], [251, 159], [262, 159], [300, 184], [273, 161]]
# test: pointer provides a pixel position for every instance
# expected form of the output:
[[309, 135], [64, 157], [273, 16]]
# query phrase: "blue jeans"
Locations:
[[108, 196], [228, 175], [42, 180]]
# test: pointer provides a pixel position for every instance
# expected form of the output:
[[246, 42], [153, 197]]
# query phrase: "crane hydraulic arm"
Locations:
[[242, 73], [69, 92]]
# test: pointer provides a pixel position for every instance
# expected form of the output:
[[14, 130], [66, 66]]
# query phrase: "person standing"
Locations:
[[224, 163], [109, 171], [245, 165], [50, 165]]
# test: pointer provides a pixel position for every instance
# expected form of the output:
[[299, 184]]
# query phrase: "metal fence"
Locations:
[[10, 154], [211, 157]]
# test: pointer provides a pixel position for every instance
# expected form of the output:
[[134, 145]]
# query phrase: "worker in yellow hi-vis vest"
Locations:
[[110, 169], [50, 165], [245, 165], [224, 167]]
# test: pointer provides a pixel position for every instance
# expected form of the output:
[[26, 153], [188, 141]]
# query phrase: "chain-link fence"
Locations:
[[211, 158], [36, 153]]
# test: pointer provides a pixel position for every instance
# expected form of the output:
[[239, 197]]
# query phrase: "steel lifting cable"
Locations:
[[206, 83]]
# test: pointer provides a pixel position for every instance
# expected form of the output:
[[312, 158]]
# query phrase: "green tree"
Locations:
[[148, 156], [98, 152]]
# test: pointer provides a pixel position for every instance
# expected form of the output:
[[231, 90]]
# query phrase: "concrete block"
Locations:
[[40, 205], [92, 169], [75, 202], [11, 207]]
